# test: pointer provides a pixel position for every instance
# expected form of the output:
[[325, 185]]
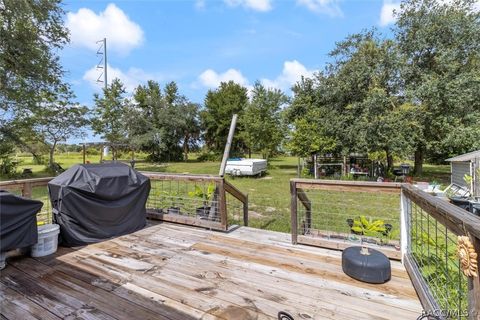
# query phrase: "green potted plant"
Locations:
[[206, 196], [366, 227]]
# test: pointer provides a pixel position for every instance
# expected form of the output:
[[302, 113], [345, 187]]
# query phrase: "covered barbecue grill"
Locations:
[[94, 202], [18, 216]]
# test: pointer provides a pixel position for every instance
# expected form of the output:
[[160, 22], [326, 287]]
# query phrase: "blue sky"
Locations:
[[200, 43]]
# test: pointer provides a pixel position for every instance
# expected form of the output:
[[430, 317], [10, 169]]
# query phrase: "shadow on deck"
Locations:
[[168, 271]]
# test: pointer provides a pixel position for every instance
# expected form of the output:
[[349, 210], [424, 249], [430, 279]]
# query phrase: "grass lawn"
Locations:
[[269, 196]]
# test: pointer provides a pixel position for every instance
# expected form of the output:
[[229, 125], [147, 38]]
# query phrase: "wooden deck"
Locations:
[[167, 271]]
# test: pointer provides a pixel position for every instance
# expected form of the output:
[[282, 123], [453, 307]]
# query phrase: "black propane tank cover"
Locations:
[[367, 265]]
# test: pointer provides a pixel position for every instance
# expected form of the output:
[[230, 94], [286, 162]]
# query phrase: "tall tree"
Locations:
[[440, 42], [31, 32], [109, 115], [163, 123], [190, 126], [355, 105], [264, 129], [220, 105], [59, 119]]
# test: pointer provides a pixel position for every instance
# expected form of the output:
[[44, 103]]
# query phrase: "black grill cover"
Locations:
[[18, 221], [94, 202]]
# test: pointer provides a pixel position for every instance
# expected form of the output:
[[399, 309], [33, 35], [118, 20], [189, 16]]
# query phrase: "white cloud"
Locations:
[[211, 79], [86, 28], [292, 72], [200, 4], [328, 7], [130, 79], [386, 14], [257, 5]]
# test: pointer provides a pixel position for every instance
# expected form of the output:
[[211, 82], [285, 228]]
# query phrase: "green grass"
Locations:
[[269, 196]]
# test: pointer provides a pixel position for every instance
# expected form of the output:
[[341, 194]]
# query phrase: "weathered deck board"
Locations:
[[168, 271]]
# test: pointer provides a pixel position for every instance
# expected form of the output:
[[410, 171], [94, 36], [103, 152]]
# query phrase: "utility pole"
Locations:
[[226, 153], [102, 51]]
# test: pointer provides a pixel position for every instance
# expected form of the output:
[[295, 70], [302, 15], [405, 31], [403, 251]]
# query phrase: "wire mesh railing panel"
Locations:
[[45, 215], [356, 217], [39, 193], [434, 251], [195, 199], [269, 213], [234, 211]]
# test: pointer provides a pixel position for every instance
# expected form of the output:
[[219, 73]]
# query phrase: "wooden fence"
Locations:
[[192, 200], [217, 219], [430, 256], [427, 243], [320, 210]]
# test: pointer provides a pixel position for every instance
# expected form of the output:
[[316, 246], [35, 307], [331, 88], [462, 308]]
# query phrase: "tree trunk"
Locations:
[[249, 153], [418, 168], [389, 160], [52, 151], [185, 148]]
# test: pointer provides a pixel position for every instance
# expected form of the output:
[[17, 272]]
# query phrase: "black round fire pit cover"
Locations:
[[372, 266]]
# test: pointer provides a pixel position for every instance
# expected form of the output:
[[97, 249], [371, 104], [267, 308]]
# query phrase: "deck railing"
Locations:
[[197, 200], [423, 234], [432, 226], [33, 189], [339, 214]]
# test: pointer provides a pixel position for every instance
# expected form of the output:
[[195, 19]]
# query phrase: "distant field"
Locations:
[[269, 196]]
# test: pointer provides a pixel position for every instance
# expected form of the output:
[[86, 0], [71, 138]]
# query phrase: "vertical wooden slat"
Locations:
[[404, 224], [293, 209], [474, 287], [222, 201], [27, 190], [245, 212]]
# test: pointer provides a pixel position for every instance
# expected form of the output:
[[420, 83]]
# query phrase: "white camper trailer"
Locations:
[[246, 167]]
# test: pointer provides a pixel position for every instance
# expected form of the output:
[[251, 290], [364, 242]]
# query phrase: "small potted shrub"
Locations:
[[366, 227], [206, 197]]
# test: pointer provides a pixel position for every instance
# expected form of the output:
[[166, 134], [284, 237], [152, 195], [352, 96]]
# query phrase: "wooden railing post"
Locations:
[[308, 209], [474, 287], [404, 224], [222, 201], [245, 212], [293, 209], [27, 190]]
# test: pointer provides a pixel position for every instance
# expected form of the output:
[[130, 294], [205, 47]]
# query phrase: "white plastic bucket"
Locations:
[[47, 240]]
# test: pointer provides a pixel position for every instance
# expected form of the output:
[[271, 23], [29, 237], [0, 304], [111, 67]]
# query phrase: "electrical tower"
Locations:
[[102, 64]]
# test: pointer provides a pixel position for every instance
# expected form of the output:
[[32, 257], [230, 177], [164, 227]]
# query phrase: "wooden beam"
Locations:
[[342, 245], [454, 218], [245, 212], [34, 182], [181, 177], [187, 220], [240, 196], [307, 204], [349, 186], [222, 204], [226, 152], [474, 287], [423, 292], [293, 210]]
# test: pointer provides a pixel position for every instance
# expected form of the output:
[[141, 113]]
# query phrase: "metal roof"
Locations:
[[465, 157]]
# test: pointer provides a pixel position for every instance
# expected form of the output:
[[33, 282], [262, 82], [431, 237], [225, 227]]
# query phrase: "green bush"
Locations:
[[208, 156], [8, 168]]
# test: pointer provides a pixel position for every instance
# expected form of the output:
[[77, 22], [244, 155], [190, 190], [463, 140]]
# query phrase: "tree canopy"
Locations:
[[220, 105]]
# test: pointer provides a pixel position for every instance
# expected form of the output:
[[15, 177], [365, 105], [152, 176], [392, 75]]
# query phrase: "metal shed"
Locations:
[[466, 164]]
